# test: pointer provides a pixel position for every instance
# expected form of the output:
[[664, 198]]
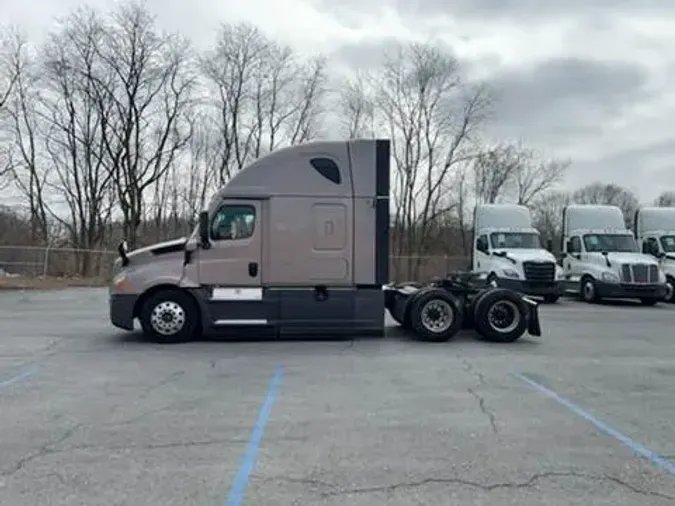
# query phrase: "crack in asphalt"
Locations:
[[482, 405], [46, 449], [487, 487]]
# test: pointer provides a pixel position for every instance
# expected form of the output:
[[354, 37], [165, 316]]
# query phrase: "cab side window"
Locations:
[[233, 222], [575, 245], [482, 243], [650, 246]]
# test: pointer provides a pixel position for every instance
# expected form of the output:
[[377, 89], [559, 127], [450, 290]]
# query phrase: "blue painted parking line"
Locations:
[[22, 376], [240, 484], [636, 447]]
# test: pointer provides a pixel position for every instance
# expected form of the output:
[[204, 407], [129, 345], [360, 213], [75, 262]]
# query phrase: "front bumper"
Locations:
[[122, 310], [531, 287], [630, 291]]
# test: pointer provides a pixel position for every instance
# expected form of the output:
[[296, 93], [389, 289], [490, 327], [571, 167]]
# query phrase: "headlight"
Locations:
[[559, 273], [610, 277], [509, 273]]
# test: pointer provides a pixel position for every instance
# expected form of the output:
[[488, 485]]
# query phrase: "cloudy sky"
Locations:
[[592, 79]]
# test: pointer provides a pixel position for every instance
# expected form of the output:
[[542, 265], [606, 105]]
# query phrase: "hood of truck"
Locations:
[[529, 255], [161, 250], [628, 258]]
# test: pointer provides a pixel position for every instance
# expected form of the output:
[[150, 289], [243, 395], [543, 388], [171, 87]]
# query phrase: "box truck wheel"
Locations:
[[588, 291], [435, 315], [169, 316], [670, 290], [500, 316]]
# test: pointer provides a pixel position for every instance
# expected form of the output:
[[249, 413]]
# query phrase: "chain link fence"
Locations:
[[45, 261], [39, 261]]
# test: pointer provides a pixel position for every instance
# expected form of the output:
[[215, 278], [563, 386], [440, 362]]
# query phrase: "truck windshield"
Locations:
[[618, 243], [668, 243], [515, 240]]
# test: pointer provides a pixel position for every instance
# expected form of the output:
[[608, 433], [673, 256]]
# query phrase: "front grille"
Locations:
[[639, 273], [539, 272]]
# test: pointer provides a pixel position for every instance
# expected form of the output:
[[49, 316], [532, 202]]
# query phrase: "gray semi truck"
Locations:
[[297, 243]]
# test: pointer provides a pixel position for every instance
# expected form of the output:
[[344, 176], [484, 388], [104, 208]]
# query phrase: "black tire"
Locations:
[[177, 304], [551, 299], [489, 322], [429, 309], [670, 292], [588, 290], [649, 302]]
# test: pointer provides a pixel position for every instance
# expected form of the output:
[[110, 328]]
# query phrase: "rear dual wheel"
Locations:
[[436, 315], [500, 315]]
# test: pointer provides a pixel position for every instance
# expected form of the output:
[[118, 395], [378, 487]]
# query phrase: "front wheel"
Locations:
[[670, 290], [588, 290], [500, 316], [169, 316], [436, 315]]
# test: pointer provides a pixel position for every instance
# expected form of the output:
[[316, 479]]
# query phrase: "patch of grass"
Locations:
[[48, 283]]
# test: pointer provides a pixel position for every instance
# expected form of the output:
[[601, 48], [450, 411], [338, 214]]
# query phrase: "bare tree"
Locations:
[[547, 211], [356, 107], [75, 116], [666, 199], [152, 99], [266, 96], [29, 173], [535, 177], [609, 194], [494, 170], [9, 39], [432, 117]]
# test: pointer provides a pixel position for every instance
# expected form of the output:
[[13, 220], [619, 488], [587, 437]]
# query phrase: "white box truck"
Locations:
[[655, 233], [601, 259], [507, 249]]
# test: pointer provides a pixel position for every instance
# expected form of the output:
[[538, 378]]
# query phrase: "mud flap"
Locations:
[[533, 327]]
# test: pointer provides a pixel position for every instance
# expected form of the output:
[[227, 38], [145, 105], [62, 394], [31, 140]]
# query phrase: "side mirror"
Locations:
[[204, 229], [549, 245], [569, 247]]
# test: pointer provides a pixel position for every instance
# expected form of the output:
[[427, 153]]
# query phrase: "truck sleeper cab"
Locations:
[[654, 229], [508, 251], [297, 243], [601, 259]]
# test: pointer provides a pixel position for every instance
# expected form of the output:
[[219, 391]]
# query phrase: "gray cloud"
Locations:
[[563, 98], [517, 10]]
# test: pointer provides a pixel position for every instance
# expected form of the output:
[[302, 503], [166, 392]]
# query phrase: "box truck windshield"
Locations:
[[668, 243], [610, 243], [515, 240]]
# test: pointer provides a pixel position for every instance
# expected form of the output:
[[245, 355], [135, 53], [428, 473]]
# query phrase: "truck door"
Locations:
[[231, 267], [481, 254], [572, 262]]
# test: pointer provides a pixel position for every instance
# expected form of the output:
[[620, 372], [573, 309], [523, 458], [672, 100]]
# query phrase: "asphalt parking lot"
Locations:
[[89, 415]]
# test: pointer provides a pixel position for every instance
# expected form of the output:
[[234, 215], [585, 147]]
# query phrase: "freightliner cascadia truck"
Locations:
[[601, 258], [655, 233], [507, 250], [297, 243]]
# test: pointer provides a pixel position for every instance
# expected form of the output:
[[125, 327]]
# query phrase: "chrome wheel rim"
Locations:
[[504, 316], [167, 318], [437, 316]]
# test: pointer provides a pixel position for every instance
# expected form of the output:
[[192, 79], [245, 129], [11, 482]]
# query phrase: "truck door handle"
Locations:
[[253, 269]]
